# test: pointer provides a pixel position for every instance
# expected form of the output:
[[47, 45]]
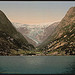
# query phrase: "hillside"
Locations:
[[24, 31], [36, 34], [48, 31], [10, 38], [61, 42]]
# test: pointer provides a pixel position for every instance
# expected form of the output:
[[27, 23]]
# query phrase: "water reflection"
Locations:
[[71, 68], [34, 60], [37, 65]]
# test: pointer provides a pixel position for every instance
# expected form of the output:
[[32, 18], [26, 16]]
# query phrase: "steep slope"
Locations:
[[24, 31], [48, 31], [62, 41], [10, 38], [36, 34]]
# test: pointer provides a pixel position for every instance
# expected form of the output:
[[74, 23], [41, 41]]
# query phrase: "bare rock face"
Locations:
[[49, 30], [69, 19], [70, 16], [62, 40]]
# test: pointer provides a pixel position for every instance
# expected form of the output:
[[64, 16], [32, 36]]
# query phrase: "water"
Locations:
[[37, 64]]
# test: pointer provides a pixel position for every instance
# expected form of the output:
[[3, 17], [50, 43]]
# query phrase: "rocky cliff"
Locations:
[[62, 41]]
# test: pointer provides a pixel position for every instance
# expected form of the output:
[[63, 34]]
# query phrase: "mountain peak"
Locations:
[[71, 11], [69, 17], [1, 11], [72, 8]]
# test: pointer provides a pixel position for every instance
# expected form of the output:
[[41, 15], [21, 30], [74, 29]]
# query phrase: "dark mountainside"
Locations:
[[10, 38], [24, 31], [62, 41]]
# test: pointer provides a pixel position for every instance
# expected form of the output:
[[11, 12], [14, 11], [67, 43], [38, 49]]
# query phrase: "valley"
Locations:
[[52, 39]]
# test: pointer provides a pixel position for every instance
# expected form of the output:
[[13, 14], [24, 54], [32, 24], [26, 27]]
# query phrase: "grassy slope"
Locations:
[[10, 37]]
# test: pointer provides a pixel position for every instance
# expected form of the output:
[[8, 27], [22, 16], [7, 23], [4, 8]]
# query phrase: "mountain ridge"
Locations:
[[62, 40], [10, 38], [35, 32]]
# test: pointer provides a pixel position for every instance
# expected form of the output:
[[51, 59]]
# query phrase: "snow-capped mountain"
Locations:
[[34, 32], [31, 31]]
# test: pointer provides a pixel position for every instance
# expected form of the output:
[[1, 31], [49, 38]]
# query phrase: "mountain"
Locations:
[[61, 41], [24, 31], [10, 38], [48, 31], [33, 32], [36, 34]]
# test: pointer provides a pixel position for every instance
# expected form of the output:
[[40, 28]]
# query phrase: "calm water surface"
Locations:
[[37, 64]]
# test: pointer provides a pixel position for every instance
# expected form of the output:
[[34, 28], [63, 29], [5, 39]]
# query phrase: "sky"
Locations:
[[35, 12]]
